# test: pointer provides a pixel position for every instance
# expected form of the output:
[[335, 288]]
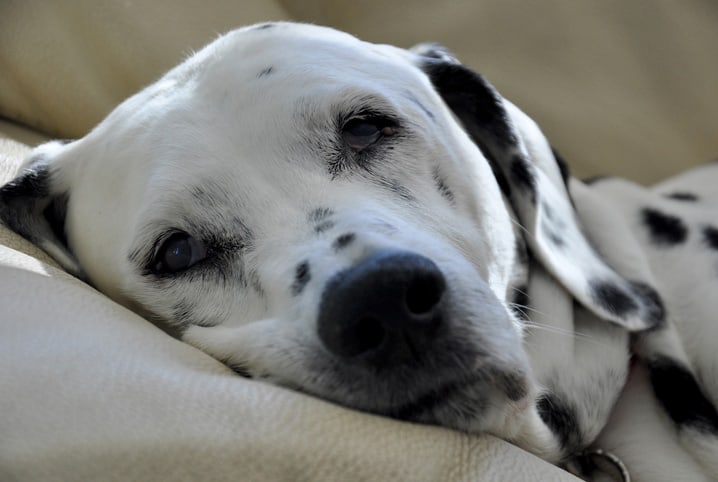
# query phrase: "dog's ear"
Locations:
[[34, 205], [531, 178]]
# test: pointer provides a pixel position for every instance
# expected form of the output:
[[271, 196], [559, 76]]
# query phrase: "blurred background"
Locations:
[[626, 87]]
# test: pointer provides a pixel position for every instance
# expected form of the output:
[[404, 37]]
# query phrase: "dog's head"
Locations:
[[343, 218]]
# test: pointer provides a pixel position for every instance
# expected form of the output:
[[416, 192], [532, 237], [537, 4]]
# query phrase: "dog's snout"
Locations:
[[386, 308]]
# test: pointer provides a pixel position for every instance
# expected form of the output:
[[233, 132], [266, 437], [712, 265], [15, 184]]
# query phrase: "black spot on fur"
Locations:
[[320, 214], [324, 226], [265, 72], [301, 278], [320, 218], [561, 419], [680, 395], [665, 229], [553, 236], [651, 300], [612, 298], [710, 237], [552, 225], [442, 187], [522, 176], [264, 26], [682, 196], [343, 241]]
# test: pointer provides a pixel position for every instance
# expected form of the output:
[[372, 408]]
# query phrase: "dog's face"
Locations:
[[308, 209]]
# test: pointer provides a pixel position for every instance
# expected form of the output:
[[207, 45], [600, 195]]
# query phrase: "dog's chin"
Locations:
[[472, 408], [470, 400]]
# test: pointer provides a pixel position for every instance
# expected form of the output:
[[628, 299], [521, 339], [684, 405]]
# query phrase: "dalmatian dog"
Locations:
[[380, 228]]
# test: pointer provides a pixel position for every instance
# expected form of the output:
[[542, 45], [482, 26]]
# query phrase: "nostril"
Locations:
[[423, 294]]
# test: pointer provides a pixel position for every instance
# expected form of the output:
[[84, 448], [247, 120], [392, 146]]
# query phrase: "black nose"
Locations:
[[386, 308]]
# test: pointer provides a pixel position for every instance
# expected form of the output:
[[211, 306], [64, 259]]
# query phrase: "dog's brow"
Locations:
[[421, 106]]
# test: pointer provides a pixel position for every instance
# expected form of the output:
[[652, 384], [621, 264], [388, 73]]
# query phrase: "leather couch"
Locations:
[[90, 391]]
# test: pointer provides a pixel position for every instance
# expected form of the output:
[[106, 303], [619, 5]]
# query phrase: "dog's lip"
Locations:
[[429, 401], [476, 390], [426, 402]]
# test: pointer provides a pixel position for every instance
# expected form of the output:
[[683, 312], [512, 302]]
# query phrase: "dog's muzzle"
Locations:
[[383, 311]]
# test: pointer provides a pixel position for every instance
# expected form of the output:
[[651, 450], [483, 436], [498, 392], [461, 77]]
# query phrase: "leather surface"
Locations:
[[90, 391]]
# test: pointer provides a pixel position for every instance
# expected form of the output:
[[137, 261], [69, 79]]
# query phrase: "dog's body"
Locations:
[[380, 228]]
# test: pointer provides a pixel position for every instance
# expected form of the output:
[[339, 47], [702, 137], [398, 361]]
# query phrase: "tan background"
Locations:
[[625, 87]]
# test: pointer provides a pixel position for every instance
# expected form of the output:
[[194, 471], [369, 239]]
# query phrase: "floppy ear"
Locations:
[[533, 181], [34, 206]]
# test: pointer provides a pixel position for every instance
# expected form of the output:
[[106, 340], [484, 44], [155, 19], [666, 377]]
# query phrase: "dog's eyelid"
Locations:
[[377, 116]]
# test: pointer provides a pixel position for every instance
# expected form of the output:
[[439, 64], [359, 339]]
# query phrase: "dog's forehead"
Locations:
[[297, 58]]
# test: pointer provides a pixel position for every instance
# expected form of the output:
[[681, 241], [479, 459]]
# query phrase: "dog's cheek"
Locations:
[[261, 349]]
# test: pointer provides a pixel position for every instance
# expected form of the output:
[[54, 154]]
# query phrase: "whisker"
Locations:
[[520, 226], [569, 333]]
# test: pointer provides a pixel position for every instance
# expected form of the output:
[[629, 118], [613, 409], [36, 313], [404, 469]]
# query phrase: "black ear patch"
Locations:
[[472, 99], [30, 208], [481, 112], [531, 175], [22, 201]]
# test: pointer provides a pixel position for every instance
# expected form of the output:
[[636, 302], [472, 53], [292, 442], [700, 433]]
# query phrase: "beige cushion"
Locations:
[[90, 391]]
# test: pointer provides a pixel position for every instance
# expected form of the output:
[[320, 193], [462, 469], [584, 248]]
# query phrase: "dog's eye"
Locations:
[[179, 252], [360, 133]]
